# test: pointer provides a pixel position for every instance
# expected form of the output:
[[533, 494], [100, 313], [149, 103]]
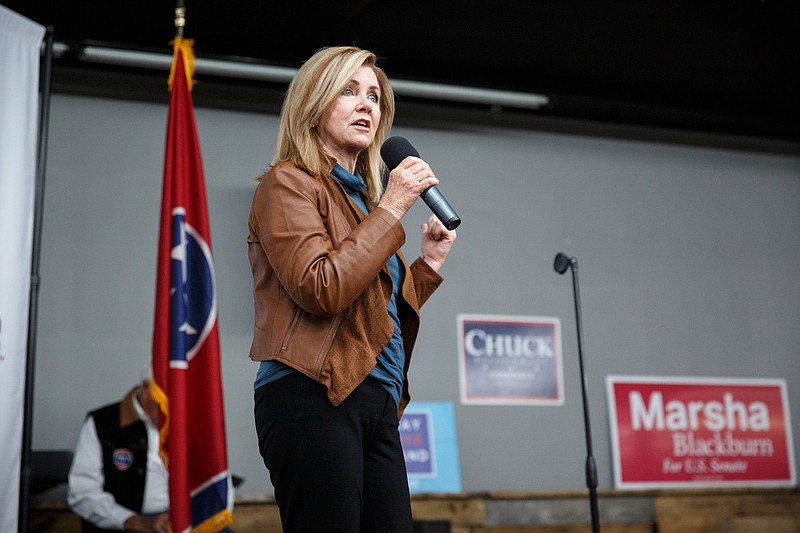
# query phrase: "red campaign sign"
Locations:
[[700, 432]]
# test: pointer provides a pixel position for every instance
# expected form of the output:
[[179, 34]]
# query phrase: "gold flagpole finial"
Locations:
[[180, 18], [185, 48]]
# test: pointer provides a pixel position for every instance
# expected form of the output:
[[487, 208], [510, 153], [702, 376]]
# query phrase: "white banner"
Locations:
[[20, 44]]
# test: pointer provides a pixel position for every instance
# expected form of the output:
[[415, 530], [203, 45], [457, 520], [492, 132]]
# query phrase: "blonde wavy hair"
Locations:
[[313, 90]]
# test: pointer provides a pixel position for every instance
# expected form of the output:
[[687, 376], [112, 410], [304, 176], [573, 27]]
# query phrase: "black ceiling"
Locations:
[[730, 66]]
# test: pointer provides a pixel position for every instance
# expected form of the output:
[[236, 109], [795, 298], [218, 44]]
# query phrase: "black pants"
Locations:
[[334, 469]]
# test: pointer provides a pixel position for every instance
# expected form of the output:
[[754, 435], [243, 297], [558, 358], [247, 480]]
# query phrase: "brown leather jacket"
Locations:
[[321, 283]]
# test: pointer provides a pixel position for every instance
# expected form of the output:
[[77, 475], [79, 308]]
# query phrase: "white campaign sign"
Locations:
[[20, 44]]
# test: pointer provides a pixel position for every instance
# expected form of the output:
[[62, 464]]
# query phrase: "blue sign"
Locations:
[[427, 432]]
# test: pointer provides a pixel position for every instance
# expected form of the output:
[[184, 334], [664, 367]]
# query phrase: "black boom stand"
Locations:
[[561, 264]]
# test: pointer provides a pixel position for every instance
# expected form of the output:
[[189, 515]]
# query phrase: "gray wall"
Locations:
[[688, 267]]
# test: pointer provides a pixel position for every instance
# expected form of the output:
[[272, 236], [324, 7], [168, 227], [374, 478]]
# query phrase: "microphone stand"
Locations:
[[563, 262]]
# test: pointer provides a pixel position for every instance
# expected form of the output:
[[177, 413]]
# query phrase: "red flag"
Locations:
[[187, 381]]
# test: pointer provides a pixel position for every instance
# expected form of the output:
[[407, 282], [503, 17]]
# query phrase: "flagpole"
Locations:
[[180, 18]]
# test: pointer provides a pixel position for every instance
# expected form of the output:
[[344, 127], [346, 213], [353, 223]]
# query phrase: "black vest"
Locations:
[[124, 451]]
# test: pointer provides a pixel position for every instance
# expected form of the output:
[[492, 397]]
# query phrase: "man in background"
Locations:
[[117, 480]]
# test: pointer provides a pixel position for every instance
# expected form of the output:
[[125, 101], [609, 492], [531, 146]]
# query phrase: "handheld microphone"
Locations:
[[393, 151]]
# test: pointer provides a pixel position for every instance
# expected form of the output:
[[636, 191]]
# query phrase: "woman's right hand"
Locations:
[[406, 182]]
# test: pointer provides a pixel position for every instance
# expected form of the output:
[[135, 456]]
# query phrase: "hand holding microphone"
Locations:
[[405, 184], [394, 152]]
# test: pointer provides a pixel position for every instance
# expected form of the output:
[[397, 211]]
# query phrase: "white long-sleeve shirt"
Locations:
[[86, 495]]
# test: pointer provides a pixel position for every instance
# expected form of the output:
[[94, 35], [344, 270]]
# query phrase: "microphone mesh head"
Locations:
[[395, 149], [561, 263]]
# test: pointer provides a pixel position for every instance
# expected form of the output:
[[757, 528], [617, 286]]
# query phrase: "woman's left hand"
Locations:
[[436, 242]]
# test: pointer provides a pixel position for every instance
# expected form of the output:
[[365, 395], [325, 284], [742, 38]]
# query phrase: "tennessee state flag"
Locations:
[[187, 381]]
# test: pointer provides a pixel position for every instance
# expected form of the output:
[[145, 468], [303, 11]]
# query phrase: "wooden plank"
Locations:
[[689, 524], [762, 524], [677, 506], [777, 504], [458, 511], [62, 521], [711, 511], [260, 517], [606, 528], [712, 514]]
